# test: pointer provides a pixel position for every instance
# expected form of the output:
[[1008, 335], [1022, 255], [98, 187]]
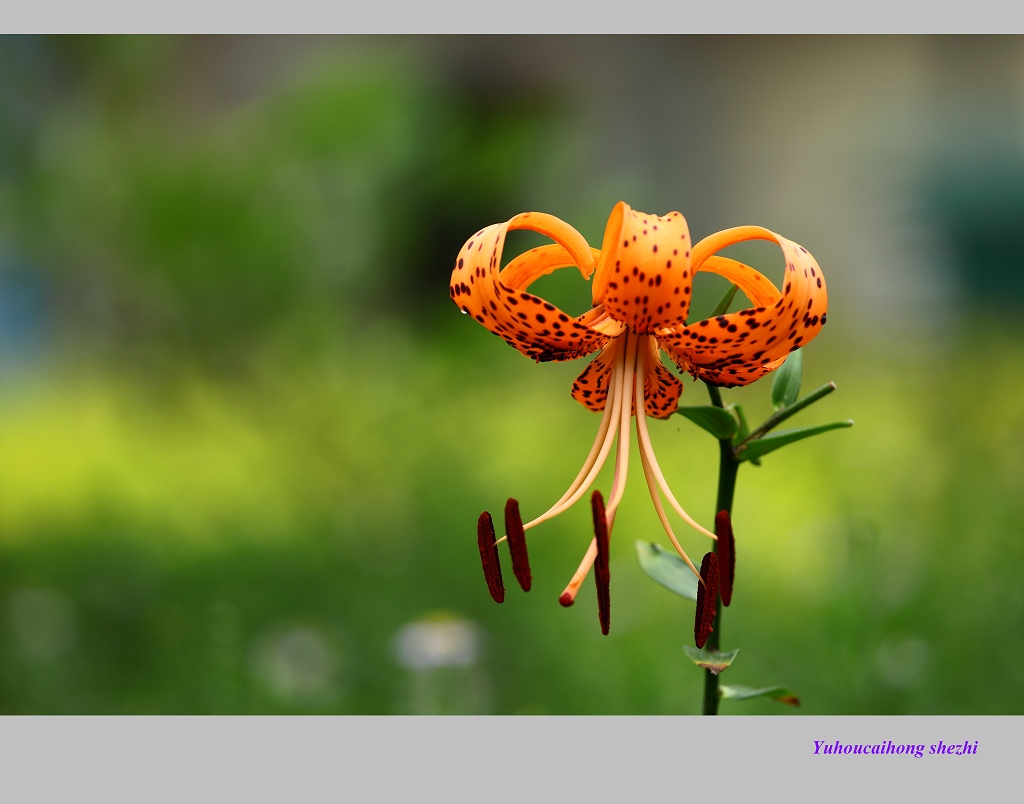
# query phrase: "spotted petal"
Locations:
[[527, 322], [644, 277], [661, 388], [590, 389], [738, 348]]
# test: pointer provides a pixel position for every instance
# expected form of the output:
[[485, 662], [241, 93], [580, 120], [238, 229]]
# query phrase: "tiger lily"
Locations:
[[642, 283]]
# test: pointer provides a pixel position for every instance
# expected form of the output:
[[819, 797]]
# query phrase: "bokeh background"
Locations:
[[245, 435]]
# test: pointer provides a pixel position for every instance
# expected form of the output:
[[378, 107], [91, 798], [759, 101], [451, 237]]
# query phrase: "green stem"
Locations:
[[728, 467]]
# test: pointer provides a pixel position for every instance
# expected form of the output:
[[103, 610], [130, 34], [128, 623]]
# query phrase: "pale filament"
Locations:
[[645, 446], [647, 457], [633, 378], [625, 393], [602, 445], [569, 593], [624, 410]]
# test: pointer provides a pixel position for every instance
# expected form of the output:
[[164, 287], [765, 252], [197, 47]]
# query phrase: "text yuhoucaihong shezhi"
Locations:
[[897, 749]]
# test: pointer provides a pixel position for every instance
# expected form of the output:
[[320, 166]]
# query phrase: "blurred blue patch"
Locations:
[[23, 312], [979, 204]]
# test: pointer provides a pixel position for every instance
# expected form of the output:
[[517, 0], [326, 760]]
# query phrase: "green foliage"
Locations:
[[713, 660], [337, 194], [786, 380], [667, 568], [723, 304], [175, 553], [717, 421], [764, 444], [729, 423], [736, 692]]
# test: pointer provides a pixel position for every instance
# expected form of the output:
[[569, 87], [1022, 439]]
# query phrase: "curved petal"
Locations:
[[738, 348], [531, 265], [644, 277], [535, 327], [562, 233], [759, 288]]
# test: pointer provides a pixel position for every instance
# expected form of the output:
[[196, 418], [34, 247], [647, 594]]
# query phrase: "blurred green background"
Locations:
[[245, 435]]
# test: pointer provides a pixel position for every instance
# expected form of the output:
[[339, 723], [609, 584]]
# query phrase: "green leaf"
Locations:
[[717, 421], [667, 568], [712, 660], [786, 383], [739, 693], [725, 301], [762, 446]]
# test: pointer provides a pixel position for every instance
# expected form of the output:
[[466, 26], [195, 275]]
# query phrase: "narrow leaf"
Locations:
[[667, 568], [739, 693], [717, 421], [786, 382], [725, 301], [779, 416], [762, 446], [711, 660]]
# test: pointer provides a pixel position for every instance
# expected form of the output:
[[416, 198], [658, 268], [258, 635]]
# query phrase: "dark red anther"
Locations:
[[707, 599], [601, 572], [517, 544], [726, 555], [489, 557]]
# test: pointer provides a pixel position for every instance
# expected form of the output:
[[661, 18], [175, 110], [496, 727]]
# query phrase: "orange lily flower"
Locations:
[[643, 278]]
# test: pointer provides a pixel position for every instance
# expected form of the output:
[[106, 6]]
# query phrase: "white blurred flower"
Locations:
[[296, 662], [442, 653], [441, 641]]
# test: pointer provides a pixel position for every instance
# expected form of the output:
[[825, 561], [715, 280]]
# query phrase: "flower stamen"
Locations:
[[652, 473], [621, 380], [726, 554], [568, 596], [660, 509], [643, 434], [489, 557], [623, 393], [642, 283], [517, 544], [602, 574], [707, 599], [598, 452]]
